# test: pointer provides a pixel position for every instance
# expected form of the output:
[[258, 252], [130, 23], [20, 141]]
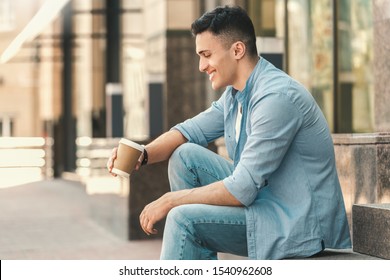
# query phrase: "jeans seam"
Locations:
[[193, 168], [238, 223], [185, 235]]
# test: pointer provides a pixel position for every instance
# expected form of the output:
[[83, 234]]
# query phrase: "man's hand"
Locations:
[[213, 194], [154, 212], [112, 158]]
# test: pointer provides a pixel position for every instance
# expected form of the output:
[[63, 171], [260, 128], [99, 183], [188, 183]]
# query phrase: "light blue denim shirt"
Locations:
[[284, 165]]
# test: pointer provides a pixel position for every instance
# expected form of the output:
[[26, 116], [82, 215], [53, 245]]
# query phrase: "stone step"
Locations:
[[371, 229]]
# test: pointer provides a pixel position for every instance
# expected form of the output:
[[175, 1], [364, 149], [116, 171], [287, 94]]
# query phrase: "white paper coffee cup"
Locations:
[[127, 157]]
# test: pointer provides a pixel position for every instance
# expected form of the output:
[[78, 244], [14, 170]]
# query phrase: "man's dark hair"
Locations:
[[232, 24]]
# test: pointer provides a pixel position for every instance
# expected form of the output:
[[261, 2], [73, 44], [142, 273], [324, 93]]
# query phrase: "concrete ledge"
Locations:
[[371, 229], [327, 254], [361, 138]]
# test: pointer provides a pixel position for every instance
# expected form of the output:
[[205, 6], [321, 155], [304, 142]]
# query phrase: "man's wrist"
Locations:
[[145, 158]]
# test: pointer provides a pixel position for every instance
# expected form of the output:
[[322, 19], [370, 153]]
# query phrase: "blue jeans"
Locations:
[[199, 231]]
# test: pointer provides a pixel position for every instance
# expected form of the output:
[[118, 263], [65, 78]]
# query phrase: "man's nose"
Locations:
[[202, 65]]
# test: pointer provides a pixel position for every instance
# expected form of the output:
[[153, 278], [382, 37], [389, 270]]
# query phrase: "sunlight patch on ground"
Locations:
[[107, 185], [10, 177]]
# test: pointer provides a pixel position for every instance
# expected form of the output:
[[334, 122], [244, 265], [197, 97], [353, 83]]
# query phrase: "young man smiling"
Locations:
[[280, 196]]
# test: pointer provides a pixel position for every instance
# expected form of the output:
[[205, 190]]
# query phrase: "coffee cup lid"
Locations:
[[131, 144]]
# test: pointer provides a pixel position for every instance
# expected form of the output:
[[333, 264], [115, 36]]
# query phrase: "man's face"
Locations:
[[216, 60]]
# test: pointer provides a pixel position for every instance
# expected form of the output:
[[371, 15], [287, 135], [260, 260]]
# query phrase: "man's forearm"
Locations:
[[213, 194], [162, 147]]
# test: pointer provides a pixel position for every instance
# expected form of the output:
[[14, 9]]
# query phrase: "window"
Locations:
[[334, 66], [354, 66]]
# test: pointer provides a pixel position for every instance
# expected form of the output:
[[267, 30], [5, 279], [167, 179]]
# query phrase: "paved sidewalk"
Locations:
[[50, 220]]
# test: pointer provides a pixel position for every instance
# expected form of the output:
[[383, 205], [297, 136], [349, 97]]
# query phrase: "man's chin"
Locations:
[[215, 86]]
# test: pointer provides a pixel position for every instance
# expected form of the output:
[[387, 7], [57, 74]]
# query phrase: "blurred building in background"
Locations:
[[113, 68]]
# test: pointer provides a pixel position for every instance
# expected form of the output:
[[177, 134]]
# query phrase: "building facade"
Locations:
[[59, 84]]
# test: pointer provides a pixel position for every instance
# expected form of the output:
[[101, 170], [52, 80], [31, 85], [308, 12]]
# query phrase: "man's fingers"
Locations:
[[147, 224], [150, 229], [110, 162], [143, 222], [138, 165], [114, 153]]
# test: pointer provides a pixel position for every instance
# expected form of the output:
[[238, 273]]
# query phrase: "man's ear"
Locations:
[[239, 49]]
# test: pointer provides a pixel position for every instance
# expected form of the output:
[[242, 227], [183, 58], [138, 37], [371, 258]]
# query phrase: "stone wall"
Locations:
[[363, 162]]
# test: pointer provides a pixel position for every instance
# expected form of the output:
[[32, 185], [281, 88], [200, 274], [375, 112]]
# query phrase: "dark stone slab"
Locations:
[[185, 90], [371, 229], [146, 185]]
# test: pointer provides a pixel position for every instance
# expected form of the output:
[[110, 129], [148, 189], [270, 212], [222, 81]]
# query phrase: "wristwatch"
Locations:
[[145, 160]]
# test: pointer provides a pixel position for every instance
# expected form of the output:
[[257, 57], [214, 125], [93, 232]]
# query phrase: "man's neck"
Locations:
[[244, 72]]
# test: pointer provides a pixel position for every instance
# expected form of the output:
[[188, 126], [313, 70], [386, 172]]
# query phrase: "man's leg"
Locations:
[[192, 166], [200, 231]]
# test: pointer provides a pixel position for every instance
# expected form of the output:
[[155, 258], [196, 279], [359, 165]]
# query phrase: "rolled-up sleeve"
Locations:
[[204, 127], [272, 124]]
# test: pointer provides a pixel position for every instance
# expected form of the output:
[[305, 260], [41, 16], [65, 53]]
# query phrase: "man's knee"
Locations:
[[182, 155], [179, 216], [184, 151]]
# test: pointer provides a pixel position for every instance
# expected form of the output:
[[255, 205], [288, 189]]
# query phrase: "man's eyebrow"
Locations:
[[202, 52]]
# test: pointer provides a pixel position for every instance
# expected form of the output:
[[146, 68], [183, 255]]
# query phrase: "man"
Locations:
[[280, 198]]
